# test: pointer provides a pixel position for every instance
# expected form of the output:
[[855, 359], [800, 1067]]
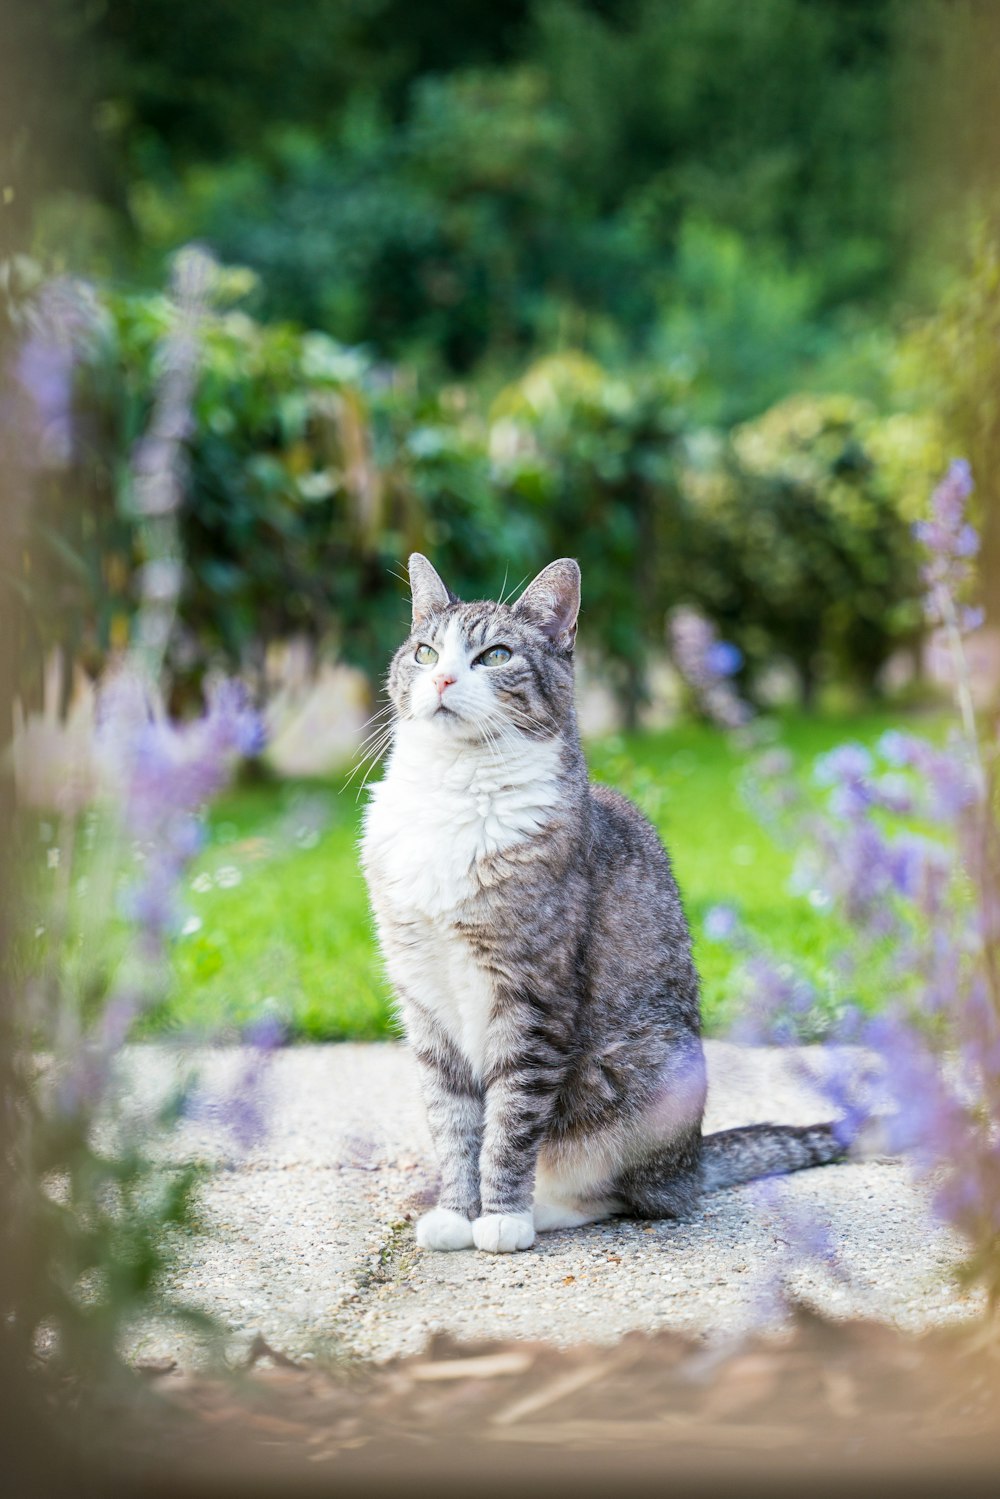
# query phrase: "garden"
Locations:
[[556, 280]]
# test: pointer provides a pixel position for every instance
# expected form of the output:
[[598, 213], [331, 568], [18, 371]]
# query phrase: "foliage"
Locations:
[[90, 1210], [442, 238], [310, 471], [737, 319], [594, 457], [280, 490], [904, 851], [277, 919], [805, 552], [488, 188], [950, 364]]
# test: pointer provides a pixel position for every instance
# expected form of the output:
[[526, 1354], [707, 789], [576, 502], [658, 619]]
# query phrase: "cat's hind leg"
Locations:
[[572, 1182], [552, 1215], [666, 1182]]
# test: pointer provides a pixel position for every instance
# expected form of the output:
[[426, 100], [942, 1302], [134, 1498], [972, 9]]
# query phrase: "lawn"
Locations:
[[277, 911]]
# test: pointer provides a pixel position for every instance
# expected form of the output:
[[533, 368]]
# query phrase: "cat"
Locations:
[[533, 931]]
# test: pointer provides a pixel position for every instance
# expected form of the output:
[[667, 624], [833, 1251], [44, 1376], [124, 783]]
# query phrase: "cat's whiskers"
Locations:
[[374, 751], [528, 721], [503, 595], [375, 733], [386, 708], [369, 758]]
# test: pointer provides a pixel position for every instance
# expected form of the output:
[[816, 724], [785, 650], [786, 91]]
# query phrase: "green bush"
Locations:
[[312, 472], [950, 366], [594, 458], [485, 190], [287, 525], [804, 550]]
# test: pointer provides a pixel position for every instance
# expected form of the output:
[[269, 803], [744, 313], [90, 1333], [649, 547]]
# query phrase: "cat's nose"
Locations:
[[442, 680]]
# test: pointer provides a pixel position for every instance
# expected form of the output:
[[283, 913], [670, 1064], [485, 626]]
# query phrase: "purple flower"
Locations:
[[967, 542], [896, 748], [45, 372], [163, 774], [905, 863], [923, 918], [706, 664], [267, 1033], [241, 1109], [894, 793], [62, 317], [950, 542], [843, 765], [721, 923], [852, 799], [723, 659], [234, 720]]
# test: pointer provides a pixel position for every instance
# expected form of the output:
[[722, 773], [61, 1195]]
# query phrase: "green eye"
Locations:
[[495, 656], [425, 655]]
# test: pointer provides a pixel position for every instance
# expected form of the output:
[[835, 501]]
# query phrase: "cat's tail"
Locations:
[[741, 1155]]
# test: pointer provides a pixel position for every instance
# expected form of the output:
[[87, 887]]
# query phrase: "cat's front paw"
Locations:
[[502, 1233], [443, 1228]]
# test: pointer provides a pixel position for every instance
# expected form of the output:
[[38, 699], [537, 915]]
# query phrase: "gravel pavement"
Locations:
[[307, 1239]]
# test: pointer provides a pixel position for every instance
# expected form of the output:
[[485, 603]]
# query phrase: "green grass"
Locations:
[[294, 932]]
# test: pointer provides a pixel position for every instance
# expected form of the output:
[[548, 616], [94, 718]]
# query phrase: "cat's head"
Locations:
[[489, 668]]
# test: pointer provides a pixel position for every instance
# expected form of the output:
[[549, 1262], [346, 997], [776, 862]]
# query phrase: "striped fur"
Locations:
[[536, 941]]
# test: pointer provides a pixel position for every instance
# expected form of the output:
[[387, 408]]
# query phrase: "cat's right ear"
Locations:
[[426, 589], [552, 600]]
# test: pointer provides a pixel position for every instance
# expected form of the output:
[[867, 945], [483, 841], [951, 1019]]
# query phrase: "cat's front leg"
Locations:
[[454, 1104], [520, 1091]]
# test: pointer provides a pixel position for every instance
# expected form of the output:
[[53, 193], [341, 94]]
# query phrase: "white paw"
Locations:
[[502, 1233], [442, 1228]]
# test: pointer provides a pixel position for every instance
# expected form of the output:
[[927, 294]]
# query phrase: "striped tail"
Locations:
[[734, 1156]]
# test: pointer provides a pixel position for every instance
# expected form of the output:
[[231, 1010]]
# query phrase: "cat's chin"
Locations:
[[450, 727]]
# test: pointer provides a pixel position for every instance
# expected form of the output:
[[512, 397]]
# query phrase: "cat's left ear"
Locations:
[[552, 601], [427, 590]]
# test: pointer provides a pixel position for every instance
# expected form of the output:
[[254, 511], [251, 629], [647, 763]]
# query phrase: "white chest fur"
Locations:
[[440, 810]]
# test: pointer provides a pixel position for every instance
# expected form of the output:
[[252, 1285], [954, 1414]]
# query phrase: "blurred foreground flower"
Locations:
[[904, 850], [91, 1208]]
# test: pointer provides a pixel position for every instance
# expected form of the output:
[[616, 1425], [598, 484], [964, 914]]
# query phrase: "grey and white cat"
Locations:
[[534, 934]]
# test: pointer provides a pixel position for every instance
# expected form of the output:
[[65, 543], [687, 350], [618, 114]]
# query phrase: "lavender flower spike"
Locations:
[[707, 664]]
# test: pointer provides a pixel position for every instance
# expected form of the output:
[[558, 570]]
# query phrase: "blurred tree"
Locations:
[[803, 551], [312, 472], [594, 459], [467, 184], [950, 365]]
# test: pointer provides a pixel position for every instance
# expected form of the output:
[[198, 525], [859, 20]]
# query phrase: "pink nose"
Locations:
[[442, 680]]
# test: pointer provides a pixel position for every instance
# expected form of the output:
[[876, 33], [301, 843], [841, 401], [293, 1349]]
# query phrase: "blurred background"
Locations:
[[704, 295]]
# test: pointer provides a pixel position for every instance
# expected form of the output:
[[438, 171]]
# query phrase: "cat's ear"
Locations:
[[552, 601], [426, 589]]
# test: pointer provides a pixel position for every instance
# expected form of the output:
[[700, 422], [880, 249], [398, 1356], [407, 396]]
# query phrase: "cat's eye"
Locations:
[[495, 656], [425, 655]]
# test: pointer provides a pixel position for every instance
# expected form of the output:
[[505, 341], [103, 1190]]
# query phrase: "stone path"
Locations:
[[308, 1238]]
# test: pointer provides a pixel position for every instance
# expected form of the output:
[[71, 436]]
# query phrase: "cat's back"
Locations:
[[639, 932], [624, 833]]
